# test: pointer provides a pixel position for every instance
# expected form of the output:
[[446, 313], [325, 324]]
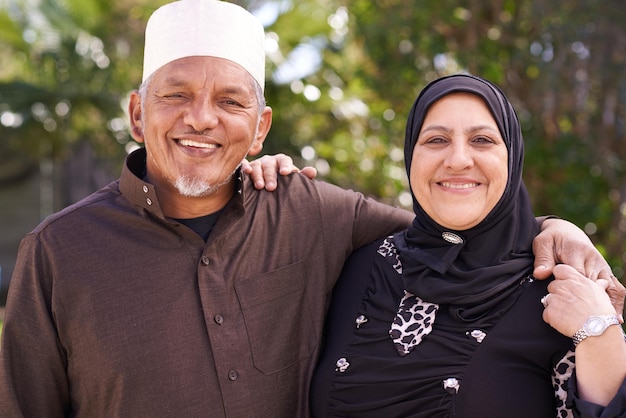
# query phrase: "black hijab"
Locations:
[[481, 270]]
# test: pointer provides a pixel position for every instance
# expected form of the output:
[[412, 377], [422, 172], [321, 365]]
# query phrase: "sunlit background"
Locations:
[[342, 76]]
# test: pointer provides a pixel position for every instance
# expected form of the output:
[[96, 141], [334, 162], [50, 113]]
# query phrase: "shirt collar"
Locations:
[[143, 194], [134, 188]]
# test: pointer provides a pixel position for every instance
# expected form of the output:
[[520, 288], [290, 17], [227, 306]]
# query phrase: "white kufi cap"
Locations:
[[211, 28]]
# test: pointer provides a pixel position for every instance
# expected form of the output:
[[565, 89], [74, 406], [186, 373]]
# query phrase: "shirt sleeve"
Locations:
[[32, 362], [585, 409], [366, 218]]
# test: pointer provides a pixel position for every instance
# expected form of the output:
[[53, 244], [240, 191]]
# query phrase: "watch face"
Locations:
[[595, 326]]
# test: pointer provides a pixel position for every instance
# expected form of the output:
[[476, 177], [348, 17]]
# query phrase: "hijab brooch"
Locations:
[[452, 238]]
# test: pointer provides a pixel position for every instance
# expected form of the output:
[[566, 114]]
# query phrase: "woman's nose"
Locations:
[[459, 156]]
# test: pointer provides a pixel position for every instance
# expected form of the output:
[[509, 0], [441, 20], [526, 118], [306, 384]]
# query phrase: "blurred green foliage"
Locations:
[[342, 76]]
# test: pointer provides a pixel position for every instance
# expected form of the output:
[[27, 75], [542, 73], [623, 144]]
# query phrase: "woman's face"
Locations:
[[459, 163]]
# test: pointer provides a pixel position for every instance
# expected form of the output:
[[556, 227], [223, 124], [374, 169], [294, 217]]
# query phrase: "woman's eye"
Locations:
[[483, 140], [436, 140]]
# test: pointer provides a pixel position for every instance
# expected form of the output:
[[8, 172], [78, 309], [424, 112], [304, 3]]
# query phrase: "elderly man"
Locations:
[[180, 290]]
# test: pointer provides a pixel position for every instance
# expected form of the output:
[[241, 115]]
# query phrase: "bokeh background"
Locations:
[[342, 76]]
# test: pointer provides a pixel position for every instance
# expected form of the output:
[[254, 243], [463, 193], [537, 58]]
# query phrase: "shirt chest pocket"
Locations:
[[278, 318]]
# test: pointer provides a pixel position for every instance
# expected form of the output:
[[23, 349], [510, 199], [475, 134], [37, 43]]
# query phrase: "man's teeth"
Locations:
[[190, 143], [459, 186]]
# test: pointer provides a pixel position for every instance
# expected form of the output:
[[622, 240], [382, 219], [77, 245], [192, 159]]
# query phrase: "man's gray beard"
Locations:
[[196, 187]]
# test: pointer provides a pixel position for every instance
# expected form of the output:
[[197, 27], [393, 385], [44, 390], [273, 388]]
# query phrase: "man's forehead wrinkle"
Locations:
[[180, 78], [175, 81]]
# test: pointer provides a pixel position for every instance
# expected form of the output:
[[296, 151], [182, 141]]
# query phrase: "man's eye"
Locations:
[[231, 102]]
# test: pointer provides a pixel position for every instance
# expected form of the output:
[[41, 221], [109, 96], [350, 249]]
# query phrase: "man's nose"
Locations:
[[202, 114]]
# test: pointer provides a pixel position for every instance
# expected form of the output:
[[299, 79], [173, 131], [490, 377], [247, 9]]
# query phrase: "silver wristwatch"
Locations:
[[595, 325]]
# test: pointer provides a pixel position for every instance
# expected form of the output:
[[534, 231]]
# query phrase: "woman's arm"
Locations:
[[600, 359]]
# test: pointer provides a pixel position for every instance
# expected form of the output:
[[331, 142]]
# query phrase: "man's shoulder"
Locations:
[[298, 191], [102, 200], [295, 184], [302, 182]]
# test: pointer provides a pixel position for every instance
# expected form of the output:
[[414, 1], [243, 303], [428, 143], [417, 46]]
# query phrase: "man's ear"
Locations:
[[136, 118], [263, 128]]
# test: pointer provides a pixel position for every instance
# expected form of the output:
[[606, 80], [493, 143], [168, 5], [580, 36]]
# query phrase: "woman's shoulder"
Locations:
[[384, 247]]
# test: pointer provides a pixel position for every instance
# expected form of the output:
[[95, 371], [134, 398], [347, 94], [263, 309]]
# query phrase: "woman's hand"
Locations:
[[600, 360], [573, 298], [263, 171]]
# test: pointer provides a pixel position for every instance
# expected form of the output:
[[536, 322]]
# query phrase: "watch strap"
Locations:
[[582, 333]]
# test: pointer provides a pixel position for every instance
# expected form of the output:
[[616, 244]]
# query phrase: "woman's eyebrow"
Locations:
[[472, 129], [438, 128]]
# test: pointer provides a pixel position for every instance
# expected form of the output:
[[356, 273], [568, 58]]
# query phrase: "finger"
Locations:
[[270, 172], [256, 174], [596, 267], [245, 166], [601, 269], [542, 270], [285, 165], [557, 316], [615, 290], [544, 257], [567, 280], [603, 283], [310, 172], [566, 272], [544, 249], [575, 263], [571, 284], [617, 293]]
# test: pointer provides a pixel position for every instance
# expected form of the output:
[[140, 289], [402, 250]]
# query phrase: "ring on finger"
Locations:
[[544, 300]]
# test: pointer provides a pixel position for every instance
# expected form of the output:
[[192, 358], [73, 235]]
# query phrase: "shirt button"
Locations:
[[232, 375], [205, 260], [219, 319], [145, 189], [149, 201]]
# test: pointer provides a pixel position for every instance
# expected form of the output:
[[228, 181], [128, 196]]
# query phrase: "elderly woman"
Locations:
[[445, 318]]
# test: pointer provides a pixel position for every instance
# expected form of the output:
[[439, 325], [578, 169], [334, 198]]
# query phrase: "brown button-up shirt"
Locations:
[[115, 310]]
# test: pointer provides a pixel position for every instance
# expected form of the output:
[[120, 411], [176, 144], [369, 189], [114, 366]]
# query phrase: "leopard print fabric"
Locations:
[[413, 321], [415, 317], [560, 377], [388, 250]]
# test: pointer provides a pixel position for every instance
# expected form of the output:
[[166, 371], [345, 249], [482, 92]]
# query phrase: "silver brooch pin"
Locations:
[[360, 320], [342, 365], [477, 334], [451, 385], [452, 238]]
